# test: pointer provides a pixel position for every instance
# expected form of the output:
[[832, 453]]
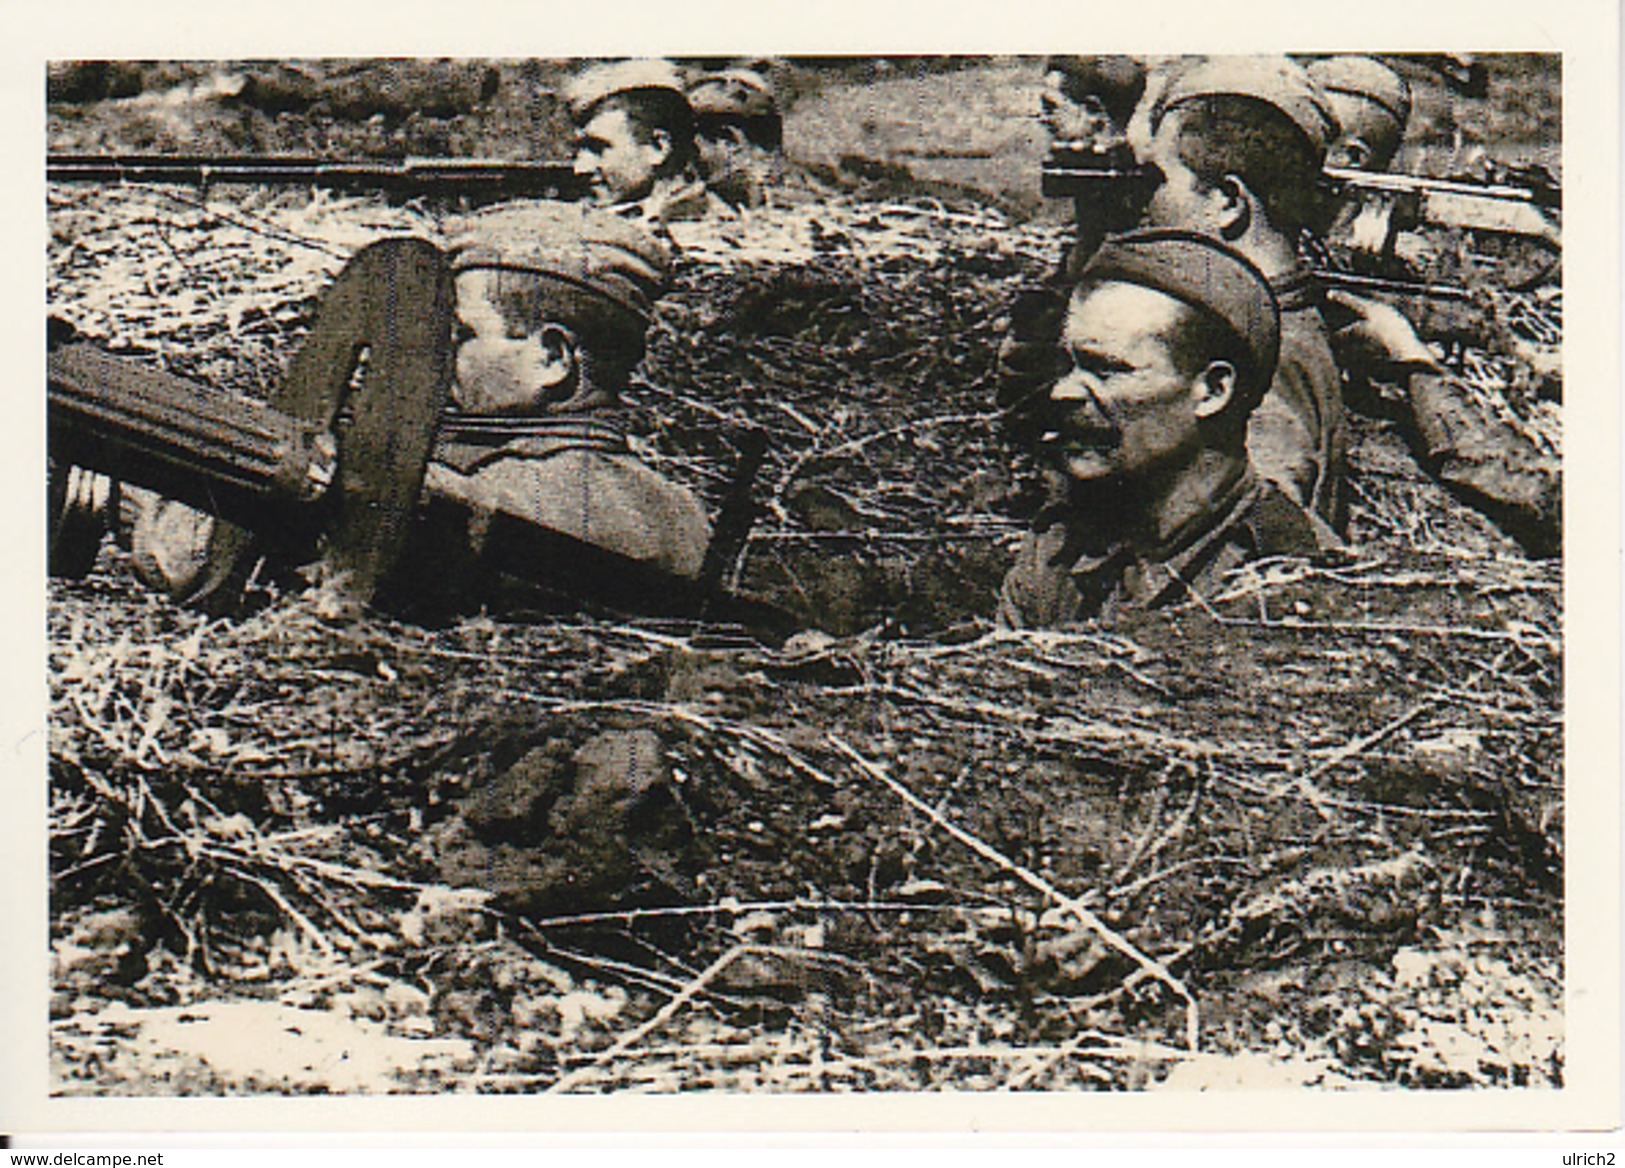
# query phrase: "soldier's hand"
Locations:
[[1378, 341]]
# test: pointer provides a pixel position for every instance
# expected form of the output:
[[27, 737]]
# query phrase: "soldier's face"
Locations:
[[735, 168], [1370, 136], [1069, 120], [1180, 199], [616, 157], [500, 369], [1122, 410]]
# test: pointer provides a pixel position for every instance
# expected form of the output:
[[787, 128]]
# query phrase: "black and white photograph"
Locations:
[[808, 574]]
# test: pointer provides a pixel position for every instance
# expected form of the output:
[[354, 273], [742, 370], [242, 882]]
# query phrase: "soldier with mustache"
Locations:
[[1169, 343]]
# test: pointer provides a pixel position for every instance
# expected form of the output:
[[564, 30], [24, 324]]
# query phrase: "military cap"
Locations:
[[739, 93], [595, 268], [1367, 78], [1203, 272], [595, 85], [1118, 81], [1275, 81]]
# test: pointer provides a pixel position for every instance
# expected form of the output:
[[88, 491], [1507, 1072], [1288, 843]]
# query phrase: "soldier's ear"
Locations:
[[660, 141], [561, 357], [1214, 389], [1352, 152], [1234, 209]]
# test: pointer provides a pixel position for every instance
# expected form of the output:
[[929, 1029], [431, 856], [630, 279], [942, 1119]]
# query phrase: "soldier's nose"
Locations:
[[1065, 387], [1079, 393], [1074, 387]]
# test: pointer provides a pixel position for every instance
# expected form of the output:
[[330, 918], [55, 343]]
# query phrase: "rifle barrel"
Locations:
[[1064, 174], [1550, 198], [1352, 282], [544, 179]]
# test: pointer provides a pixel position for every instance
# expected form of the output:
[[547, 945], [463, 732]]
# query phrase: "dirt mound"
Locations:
[[1286, 821]]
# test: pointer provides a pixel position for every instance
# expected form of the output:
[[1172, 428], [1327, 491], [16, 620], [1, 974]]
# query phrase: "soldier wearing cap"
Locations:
[[1372, 105], [635, 141], [1484, 461], [1085, 107], [1238, 144], [1170, 338], [738, 134], [1088, 100], [553, 302]]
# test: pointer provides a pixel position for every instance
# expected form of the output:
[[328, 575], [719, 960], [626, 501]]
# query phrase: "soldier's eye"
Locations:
[[1099, 364]]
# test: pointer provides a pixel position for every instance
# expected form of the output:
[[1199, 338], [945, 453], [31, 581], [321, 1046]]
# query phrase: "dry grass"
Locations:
[[1023, 860]]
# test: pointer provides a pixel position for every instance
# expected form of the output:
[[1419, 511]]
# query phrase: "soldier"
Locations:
[[1380, 234], [635, 142], [738, 133], [1372, 105], [1089, 100], [531, 476], [1482, 459], [1085, 106], [1171, 337], [1238, 144], [553, 302]]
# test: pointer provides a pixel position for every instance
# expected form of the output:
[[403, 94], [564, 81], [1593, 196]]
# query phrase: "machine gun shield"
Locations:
[[375, 372], [333, 464]]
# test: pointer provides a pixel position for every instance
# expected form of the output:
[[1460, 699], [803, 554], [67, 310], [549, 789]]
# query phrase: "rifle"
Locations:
[[1525, 205], [1527, 209], [1080, 171], [1108, 188], [476, 179]]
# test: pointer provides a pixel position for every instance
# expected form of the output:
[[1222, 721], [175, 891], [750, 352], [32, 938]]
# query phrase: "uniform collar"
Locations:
[[467, 443], [1146, 578], [673, 200]]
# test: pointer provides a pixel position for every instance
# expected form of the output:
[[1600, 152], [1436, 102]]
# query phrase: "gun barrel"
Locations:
[[1379, 285], [1061, 170], [236, 458], [469, 177], [1550, 198]]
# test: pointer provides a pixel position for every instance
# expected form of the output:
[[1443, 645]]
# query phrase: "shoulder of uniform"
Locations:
[[1282, 528]]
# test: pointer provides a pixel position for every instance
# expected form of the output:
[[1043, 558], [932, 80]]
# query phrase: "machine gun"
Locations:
[[473, 179], [332, 467]]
